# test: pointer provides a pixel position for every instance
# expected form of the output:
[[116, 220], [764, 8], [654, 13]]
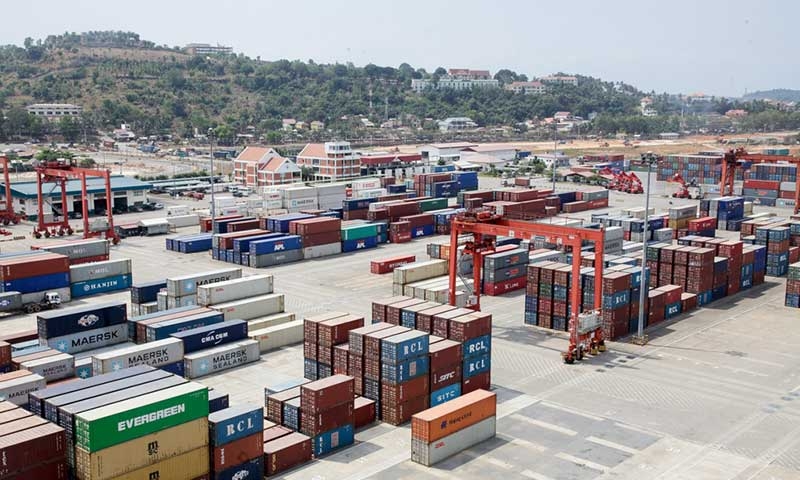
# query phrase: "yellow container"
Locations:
[[148, 450], [183, 467]]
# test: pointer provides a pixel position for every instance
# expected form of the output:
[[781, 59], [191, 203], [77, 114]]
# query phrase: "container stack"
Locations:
[[416, 272], [445, 358], [777, 240], [217, 348], [679, 218], [771, 184], [320, 236], [79, 251], [729, 212], [100, 277], [144, 297], [793, 286], [421, 224], [191, 243], [327, 415], [704, 169], [15, 386], [474, 332], [311, 346], [31, 447], [236, 441], [356, 353], [50, 364], [359, 236], [182, 291], [166, 354], [222, 244], [331, 334], [73, 330], [505, 271], [445, 430], [33, 275], [404, 376]]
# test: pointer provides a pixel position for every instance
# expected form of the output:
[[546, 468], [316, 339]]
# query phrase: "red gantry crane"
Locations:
[[59, 172], [8, 215], [734, 159], [486, 226]]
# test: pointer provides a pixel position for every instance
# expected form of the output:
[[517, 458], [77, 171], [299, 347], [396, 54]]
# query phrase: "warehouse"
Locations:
[[127, 193]]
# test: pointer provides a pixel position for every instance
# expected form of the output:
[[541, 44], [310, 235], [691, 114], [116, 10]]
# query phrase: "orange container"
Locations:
[[440, 421]]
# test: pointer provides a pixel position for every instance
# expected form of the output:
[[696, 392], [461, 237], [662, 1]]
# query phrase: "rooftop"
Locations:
[[93, 185]]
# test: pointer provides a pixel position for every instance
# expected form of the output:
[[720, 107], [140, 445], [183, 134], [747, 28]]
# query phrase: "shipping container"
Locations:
[[237, 289], [101, 285], [187, 284], [97, 270], [52, 368], [443, 420], [31, 447], [287, 452], [235, 423], [154, 354], [330, 419], [431, 453], [78, 248], [163, 329], [61, 322], [237, 452], [282, 335], [333, 439], [16, 390], [212, 335], [189, 466], [326, 393], [253, 468], [212, 360], [253, 307]]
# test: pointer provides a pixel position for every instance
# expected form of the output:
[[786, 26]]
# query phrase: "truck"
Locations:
[[12, 302]]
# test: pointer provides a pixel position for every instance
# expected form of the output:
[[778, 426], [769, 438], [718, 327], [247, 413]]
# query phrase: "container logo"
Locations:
[[116, 365], [88, 320], [278, 246], [361, 244], [5, 303], [240, 475]]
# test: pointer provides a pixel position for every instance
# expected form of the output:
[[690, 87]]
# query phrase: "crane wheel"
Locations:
[[601, 346], [16, 221], [593, 349], [47, 234], [569, 360], [6, 222], [580, 352]]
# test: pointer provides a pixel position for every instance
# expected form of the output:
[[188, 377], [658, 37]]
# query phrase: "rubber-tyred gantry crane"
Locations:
[[58, 172], [730, 162], [7, 215], [485, 226]]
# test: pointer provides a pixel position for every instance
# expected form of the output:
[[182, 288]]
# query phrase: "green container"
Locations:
[[130, 419], [433, 204], [358, 232]]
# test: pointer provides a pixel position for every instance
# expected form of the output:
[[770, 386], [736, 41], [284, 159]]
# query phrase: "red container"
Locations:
[[762, 184], [387, 265], [310, 350], [355, 365], [397, 210], [400, 237], [286, 452], [616, 282], [19, 337], [364, 412], [315, 424], [441, 321], [504, 286], [703, 223], [404, 392], [237, 451], [731, 249], [701, 256], [400, 227], [599, 203], [311, 325], [324, 394], [379, 307], [401, 413], [355, 214], [226, 239], [419, 220], [688, 302], [485, 195], [545, 306], [617, 315], [482, 381], [672, 293], [55, 469], [315, 226], [337, 330], [322, 238], [31, 447], [243, 225], [5, 353], [393, 310], [275, 403], [372, 368], [445, 376], [13, 268], [425, 317], [372, 342], [471, 203], [341, 358], [325, 355], [443, 354], [275, 432], [613, 329]]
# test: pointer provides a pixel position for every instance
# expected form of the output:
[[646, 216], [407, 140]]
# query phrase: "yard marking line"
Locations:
[[637, 429], [509, 407], [573, 411], [545, 425], [580, 461], [614, 445], [534, 475], [484, 458], [523, 443]]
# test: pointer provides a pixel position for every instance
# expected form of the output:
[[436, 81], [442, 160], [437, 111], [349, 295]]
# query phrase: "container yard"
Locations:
[[353, 364]]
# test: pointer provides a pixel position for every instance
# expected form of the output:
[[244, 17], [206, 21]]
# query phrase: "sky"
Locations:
[[677, 46]]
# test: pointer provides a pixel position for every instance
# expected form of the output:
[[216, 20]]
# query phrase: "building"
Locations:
[[457, 124], [528, 88], [317, 126], [207, 49], [669, 136], [485, 162], [123, 134], [264, 167], [737, 113], [562, 116], [288, 123], [699, 98], [331, 161], [457, 79], [54, 111], [449, 152], [127, 192], [375, 162], [503, 152], [646, 107], [561, 79], [559, 158]]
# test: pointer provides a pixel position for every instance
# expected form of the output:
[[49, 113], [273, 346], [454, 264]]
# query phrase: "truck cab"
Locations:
[[52, 299]]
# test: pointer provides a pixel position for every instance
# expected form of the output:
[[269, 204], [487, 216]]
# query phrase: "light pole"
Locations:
[[651, 159], [213, 203], [555, 147]]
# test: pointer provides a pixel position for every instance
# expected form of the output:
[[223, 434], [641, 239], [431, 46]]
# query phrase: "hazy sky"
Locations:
[[712, 46]]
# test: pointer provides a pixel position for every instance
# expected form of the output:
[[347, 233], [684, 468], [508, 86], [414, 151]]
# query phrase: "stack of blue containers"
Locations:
[[280, 223], [729, 212], [275, 251], [197, 242]]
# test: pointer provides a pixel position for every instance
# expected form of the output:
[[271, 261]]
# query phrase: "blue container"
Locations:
[[423, 231], [237, 258], [719, 292], [382, 238], [146, 292], [408, 319], [531, 303], [251, 469], [196, 245], [331, 440], [559, 292], [233, 423], [133, 321], [395, 374], [357, 204], [291, 414], [280, 223], [310, 369], [531, 317], [215, 253], [445, 394], [672, 310], [444, 189], [396, 188], [792, 300], [170, 244], [360, 244], [477, 346], [217, 401], [243, 244], [704, 298], [401, 347], [274, 245], [746, 281], [245, 259], [615, 300], [57, 323], [176, 368], [101, 285], [83, 371], [37, 284], [636, 276], [476, 365], [566, 197], [747, 269], [212, 335], [759, 258], [160, 331]]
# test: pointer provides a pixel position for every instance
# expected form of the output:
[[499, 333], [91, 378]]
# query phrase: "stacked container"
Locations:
[[182, 290], [15, 386], [327, 413], [729, 212], [474, 332], [34, 275], [404, 376], [79, 251], [777, 240], [79, 329], [321, 236], [793, 286], [311, 356], [100, 277], [445, 370], [356, 351], [505, 271], [704, 169], [236, 441], [679, 217], [331, 334], [191, 243], [144, 297], [30, 447]]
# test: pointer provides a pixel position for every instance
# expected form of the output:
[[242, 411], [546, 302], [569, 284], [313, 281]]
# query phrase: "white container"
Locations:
[[177, 211], [325, 250], [161, 301], [787, 186], [299, 192], [154, 226], [54, 367], [187, 284], [184, 301], [97, 270], [250, 308], [181, 221], [271, 338], [366, 184], [148, 308], [414, 272], [217, 359], [300, 203], [155, 354], [270, 321], [429, 454], [88, 340], [16, 390], [235, 289]]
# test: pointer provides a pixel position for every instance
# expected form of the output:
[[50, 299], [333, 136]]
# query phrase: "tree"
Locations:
[[49, 155], [87, 162], [69, 129], [223, 133]]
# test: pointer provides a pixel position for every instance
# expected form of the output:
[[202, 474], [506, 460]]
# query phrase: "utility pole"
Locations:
[[213, 203], [555, 147], [640, 338]]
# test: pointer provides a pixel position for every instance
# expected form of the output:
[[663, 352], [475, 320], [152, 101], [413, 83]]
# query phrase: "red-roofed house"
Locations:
[[263, 167], [330, 161]]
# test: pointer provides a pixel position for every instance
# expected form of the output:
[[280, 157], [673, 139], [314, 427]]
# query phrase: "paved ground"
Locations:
[[715, 395]]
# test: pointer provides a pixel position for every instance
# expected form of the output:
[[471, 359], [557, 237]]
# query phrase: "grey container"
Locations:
[[187, 284], [54, 367], [429, 454], [271, 259], [235, 289], [278, 336], [324, 250], [184, 301], [92, 271], [250, 308], [88, 340], [161, 301], [10, 301], [16, 390], [155, 354], [212, 360], [81, 249]]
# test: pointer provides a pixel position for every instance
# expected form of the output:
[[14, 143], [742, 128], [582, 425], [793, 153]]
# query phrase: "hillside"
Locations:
[[778, 94]]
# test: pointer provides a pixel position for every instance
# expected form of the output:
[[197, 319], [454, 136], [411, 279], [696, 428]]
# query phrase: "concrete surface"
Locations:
[[714, 395]]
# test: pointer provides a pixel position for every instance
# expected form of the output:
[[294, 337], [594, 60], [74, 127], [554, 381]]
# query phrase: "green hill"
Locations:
[[778, 94]]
